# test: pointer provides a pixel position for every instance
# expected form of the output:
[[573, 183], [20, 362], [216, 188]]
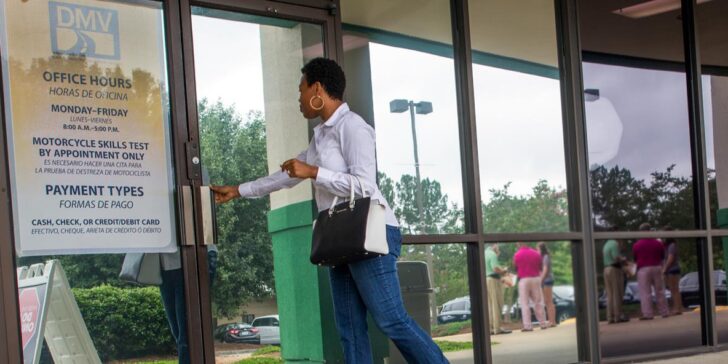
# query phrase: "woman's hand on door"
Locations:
[[224, 194]]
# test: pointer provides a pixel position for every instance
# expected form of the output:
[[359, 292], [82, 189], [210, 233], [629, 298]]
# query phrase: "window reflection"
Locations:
[[647, 288], [639, 147], [402, 62], [531, 301], [518, 110], [441, 307], [713, 41]]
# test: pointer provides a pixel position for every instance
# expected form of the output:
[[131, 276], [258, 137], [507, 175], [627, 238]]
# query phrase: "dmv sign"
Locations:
[[81, 30]]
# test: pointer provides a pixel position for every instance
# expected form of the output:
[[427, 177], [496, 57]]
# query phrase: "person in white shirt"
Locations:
[[344, 145]]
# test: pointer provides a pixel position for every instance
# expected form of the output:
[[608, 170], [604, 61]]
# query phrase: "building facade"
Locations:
[[576, 125]]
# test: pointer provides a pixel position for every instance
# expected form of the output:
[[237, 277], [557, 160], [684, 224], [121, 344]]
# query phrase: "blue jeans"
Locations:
[[372, 285], [173, 298]]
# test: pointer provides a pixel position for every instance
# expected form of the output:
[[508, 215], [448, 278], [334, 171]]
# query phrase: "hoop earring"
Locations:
[[310, 102]]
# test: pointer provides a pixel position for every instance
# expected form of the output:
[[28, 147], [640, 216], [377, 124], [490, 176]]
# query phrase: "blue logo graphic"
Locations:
[[84, 31]]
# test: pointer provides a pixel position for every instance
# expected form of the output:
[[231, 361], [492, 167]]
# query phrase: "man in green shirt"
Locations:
[[614, 280], [494, 272]]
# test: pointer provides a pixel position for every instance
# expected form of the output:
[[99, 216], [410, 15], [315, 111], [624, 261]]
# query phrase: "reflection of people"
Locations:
[[613, 259], [649, 253], [527, 263], [343, 145], [547, 282], [494, 273], [671, 271]]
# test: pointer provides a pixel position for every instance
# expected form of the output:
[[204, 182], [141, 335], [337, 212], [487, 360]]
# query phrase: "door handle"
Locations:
[[189, 215], [208, 219]]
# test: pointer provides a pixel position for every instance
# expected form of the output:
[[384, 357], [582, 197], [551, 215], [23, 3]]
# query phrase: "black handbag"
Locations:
[[350, 231]]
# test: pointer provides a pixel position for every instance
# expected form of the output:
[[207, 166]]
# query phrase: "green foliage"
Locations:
[[261, 361], [451, 328], [624, 202], [438, 216], [233, 151], [125, 322], [447, 346], [545, 210], [267, 350]]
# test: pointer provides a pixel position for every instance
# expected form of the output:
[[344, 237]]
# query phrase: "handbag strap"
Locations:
[[352, 196]]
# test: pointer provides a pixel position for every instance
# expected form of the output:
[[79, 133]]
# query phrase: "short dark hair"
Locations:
[[329, 73]]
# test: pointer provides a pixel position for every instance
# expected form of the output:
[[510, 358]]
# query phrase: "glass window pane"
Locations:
[[92, 77], [400, 68], [246, 133], [539, 278], [442, 307], [647, 289], [636, 117], [519, 121], [713, 38]]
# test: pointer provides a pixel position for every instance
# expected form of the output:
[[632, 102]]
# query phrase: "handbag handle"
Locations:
[[351, 194]]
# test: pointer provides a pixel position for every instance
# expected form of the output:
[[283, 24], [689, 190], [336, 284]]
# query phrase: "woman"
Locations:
[[547, 280], [671, 271], [343, 145]]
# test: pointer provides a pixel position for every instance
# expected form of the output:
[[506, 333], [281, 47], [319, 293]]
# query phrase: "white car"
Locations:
[[269, 329]]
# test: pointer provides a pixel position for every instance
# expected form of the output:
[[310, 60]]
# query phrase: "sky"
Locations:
[[519, 120]]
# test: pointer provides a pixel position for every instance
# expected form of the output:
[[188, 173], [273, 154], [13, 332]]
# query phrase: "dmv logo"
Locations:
[[84, 30]]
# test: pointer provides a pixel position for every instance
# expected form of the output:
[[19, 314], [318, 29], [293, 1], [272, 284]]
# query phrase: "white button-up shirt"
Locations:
[[342, 146]]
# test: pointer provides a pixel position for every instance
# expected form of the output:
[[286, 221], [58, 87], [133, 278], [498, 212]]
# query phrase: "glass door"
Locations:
[[95, 151], [247, 67]]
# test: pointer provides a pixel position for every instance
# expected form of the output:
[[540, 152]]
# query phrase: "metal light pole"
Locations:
[[422, 108]]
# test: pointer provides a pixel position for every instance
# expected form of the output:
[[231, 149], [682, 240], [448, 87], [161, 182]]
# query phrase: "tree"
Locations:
[[544, 210], [233, 151]]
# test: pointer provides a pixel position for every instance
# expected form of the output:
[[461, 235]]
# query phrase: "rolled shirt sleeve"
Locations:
[[265, 185]]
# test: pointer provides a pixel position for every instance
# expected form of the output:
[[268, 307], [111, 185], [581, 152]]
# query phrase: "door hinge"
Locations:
[[333, 9]]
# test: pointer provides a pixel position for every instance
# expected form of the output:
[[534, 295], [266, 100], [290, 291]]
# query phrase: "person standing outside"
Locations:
[[527, 263], [494, 273], [547, 282], [614, 280], [671, 271], [649, 254], [343, 146]]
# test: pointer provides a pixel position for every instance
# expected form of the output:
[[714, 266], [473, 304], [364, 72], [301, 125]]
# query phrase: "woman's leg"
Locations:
[[549, 301], [350, 313], [378, 286], [673, 284], [173, 299]]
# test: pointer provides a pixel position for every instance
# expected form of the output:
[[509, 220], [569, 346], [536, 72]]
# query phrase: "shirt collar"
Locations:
[[336, 116]]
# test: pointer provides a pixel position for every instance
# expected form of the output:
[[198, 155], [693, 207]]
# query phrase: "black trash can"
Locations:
[[414, 283]]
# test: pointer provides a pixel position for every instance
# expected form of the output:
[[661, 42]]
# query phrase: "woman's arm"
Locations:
[[668, 262], [545, 267], [260, 187]]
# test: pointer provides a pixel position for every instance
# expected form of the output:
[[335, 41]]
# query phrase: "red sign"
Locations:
[[29, 313]]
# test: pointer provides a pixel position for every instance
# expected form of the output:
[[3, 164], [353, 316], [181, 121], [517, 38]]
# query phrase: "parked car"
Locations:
[[455, 310], [219, 332], [690, 288], [563, 301], [242, 333], [269, 329], [459, 308]]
